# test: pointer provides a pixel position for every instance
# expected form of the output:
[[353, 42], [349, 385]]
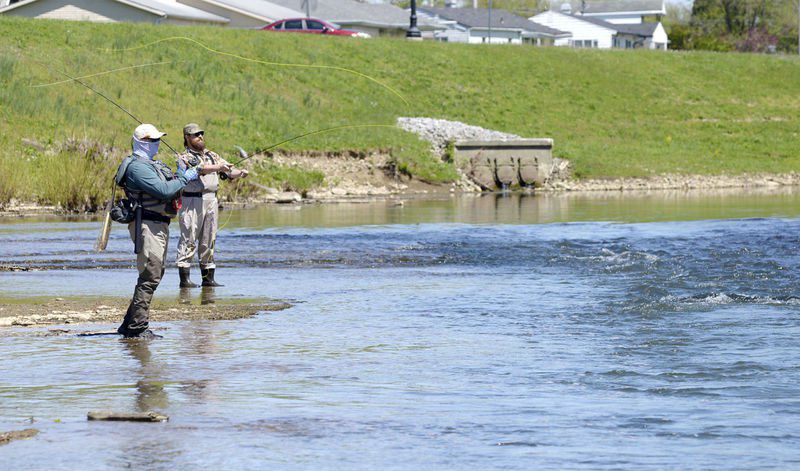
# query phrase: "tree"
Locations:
[[744, 25]]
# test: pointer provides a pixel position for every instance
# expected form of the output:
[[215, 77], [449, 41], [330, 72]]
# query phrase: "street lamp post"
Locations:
[[413, 31], [490, 22]]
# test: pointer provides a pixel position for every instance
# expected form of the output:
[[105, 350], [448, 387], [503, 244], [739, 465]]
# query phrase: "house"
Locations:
[[144, 11], [375, 19], [245, 13], [593, 32], [480, 25], [635, 35]]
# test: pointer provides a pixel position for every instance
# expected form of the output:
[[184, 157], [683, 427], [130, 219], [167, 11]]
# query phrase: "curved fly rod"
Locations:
[[311, 133], [105, 231], [78, 80], [244, 155], [105, 72]]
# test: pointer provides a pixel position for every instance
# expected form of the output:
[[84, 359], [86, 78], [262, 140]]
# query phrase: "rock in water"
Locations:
[[7, 437], [149, 416]]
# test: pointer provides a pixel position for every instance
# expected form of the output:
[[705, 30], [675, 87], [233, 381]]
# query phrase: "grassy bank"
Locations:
[[612, 113]]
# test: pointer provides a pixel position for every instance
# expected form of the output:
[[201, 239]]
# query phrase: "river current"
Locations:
[[495, 332]]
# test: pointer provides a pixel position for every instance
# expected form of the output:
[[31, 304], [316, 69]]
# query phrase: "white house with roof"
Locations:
[[594, 32], [583, 33], [478, 26], [107, 11]]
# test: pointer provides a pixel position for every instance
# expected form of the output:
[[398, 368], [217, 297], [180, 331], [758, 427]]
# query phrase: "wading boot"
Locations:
[[208, 277], [148, 335], [183, 272], [144, 335]]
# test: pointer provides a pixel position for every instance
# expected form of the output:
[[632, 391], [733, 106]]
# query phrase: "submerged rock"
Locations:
[[7, 437]]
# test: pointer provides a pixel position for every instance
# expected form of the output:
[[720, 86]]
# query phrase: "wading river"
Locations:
[[498, 332]]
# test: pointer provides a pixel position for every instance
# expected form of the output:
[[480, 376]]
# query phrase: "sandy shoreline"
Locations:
[[23, 312]]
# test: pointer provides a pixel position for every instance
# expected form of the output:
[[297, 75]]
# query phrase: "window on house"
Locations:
[[587, 43]]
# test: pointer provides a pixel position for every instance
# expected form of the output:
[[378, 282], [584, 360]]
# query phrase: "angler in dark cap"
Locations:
[[199, 215], [152, 189]]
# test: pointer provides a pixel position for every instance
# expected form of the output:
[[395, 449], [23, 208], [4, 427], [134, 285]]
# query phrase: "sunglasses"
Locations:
[[198, 134]]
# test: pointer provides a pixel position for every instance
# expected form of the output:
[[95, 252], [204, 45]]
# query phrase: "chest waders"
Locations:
[[141, 202]]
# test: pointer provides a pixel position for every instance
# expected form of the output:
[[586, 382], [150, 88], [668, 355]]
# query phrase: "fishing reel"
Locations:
[[194, 160]]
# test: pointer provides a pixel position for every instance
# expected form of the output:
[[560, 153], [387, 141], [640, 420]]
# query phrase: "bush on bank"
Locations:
[[612, 113]]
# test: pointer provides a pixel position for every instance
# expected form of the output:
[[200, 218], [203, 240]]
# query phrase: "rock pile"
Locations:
[[440, 132]]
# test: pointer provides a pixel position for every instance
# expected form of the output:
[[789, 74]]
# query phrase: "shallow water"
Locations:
[[645, 331]]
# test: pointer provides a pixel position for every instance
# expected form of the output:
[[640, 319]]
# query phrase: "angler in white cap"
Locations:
[[152, 192], [199, 216]]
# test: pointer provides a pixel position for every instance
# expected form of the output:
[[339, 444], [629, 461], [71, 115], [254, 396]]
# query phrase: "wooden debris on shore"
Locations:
[[7, 437], [149, 416]]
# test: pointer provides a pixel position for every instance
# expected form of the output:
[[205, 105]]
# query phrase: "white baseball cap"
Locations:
[[147, 131]]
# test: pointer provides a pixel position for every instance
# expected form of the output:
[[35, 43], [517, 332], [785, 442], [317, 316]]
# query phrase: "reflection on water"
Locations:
[[205, 295], [150, 392], [487, 332], [519, 208]]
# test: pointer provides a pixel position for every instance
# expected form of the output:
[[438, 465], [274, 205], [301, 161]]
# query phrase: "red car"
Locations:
[[311, 26]]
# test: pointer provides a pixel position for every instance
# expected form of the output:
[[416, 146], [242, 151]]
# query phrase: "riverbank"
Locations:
[[79, 310], [678, 182]]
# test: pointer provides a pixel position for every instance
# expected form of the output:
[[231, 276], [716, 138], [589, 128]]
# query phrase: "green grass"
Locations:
[[612, 113]]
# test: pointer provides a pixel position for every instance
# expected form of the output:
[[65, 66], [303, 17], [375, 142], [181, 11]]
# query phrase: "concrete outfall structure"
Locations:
[[491, 160], [506, 165]]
